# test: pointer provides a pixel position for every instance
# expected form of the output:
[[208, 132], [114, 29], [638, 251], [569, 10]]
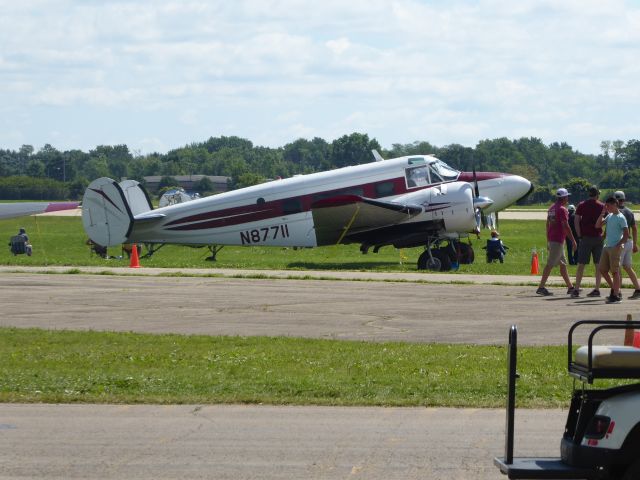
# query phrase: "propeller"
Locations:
[[480, 203], [476, 188]]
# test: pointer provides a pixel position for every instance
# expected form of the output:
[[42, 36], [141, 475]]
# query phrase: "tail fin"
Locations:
[[106, 215], [137, 197]]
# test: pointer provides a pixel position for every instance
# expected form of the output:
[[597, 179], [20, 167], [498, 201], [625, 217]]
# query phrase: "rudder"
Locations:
[[106, 215], [137, 197]]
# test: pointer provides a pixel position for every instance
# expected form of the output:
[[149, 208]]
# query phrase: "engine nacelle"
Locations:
[[450, 203]]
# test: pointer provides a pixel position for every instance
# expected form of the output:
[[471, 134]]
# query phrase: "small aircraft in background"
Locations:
[[410, 201], [20, 209]]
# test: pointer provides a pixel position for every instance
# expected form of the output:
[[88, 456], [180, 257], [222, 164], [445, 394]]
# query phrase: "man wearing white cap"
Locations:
[[631, 246], [557, 231]]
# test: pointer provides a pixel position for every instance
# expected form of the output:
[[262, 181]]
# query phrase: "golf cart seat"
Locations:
[[18, 245], [609, 356], [604, 361]]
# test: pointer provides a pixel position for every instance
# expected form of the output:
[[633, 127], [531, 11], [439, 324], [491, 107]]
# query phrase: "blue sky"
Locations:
[[157, 75]]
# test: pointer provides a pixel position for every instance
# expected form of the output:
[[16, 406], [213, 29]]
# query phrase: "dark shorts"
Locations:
[[588, 247]]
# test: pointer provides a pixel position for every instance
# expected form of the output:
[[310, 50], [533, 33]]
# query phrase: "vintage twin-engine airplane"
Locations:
[[405, 202]]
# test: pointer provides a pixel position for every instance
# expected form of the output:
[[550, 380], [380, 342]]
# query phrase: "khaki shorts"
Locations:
[[610, 259], [556, 254]]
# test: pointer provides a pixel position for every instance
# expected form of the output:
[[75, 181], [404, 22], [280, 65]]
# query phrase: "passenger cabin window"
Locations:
[[417, 176], [359, 191], [291, 206], [385, 189], [352, 191]]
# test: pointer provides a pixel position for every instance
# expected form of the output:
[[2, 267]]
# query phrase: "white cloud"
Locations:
[[446, 72]]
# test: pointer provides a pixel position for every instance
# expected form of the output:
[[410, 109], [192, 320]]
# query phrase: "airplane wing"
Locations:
[[342, 215], [19, 209]]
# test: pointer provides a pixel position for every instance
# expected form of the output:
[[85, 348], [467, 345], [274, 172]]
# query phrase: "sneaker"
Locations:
[[594, 293], [570, 290], [543, 291], [613, 299], [575, 293], [635, 294]]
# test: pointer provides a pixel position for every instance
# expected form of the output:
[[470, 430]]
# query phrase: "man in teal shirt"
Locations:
[[616, 236]]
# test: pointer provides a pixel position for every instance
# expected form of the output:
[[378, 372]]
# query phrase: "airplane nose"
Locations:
[[518, 187]]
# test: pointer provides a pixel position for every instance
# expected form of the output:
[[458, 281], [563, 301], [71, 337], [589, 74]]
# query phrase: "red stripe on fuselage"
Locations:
[[283, 207], [277, 208]]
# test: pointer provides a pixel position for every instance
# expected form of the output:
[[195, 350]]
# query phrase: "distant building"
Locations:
[[188, 181]]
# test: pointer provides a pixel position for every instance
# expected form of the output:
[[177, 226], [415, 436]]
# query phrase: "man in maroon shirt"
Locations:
[[557, 231], [591, 239]]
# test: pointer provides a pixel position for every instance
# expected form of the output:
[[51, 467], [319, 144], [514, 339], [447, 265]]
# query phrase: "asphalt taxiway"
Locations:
[[278, 442], [263, 442], [359, 306]]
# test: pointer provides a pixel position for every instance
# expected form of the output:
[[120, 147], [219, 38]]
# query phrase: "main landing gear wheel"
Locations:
[[427, 263], [438, 262], [466, 253]]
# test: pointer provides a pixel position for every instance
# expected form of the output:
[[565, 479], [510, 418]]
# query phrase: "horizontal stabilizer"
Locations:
[[149, 217], [337, 217]]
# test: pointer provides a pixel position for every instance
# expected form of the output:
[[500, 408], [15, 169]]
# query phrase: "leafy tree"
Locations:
[[457, 156], [353, 149], [77, 188], [96, 168], [35, 168], [167, 183], [204, 185], [579, 188], [248, 179]]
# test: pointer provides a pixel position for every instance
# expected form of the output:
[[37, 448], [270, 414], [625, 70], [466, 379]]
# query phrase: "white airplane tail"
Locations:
[[108, 209]]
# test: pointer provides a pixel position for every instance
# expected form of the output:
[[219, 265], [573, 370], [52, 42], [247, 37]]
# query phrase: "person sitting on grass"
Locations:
[[20, 243], [496, 250]]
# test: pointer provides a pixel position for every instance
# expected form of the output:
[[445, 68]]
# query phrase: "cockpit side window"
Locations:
[[435, 177], [417, 176]]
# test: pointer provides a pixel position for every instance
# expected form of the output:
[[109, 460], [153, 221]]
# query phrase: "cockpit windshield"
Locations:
[[422, 173], [444, 171]]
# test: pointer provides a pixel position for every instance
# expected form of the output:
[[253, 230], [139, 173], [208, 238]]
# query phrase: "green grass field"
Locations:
[[61, 241], [65, 367]]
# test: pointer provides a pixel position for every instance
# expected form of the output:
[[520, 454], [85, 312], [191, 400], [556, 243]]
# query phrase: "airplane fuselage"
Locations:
[[279, 213]]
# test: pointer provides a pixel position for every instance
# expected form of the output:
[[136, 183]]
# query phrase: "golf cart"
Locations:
[[602, 434]]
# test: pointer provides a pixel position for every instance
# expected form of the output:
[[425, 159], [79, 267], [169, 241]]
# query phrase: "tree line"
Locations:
[[52, 174]]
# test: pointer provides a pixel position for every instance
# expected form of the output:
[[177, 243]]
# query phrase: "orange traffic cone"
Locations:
[[135, 262], [535, 268]]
